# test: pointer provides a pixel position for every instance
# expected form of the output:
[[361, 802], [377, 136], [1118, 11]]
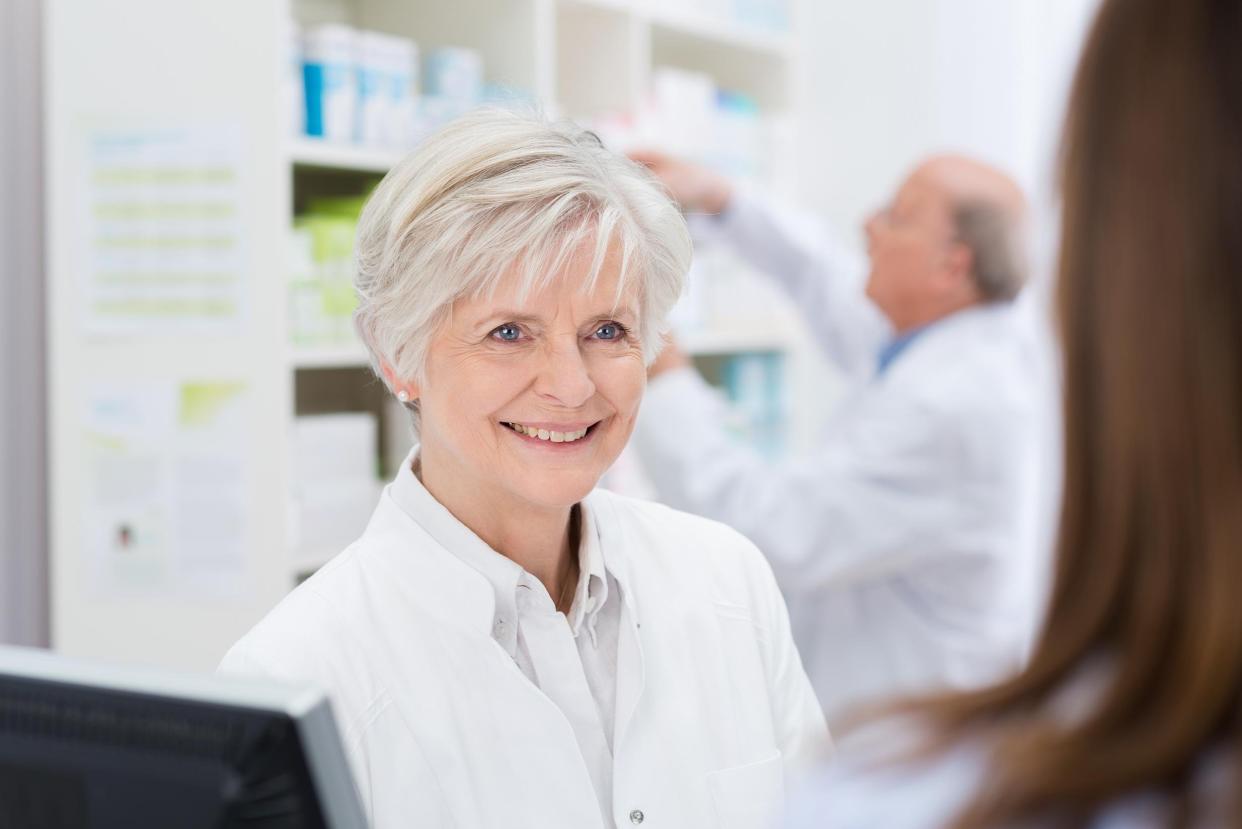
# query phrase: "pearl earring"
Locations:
[[403, 396]]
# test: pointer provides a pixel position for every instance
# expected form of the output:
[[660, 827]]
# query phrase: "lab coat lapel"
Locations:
[[631, 677], [513, 729], [631, 672]]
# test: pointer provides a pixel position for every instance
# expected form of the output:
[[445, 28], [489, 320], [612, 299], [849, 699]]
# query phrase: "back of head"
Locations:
[[952, 237], [989, 218], [1149, 558]]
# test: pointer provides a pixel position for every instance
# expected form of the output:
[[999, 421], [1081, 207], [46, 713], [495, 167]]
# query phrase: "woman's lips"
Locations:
[[562, 434]]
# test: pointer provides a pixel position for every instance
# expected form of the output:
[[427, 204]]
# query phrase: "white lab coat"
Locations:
[[443, 729], [903, 541]]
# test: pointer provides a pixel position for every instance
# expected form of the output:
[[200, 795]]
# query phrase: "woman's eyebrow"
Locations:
[[497, 317], [502, 316], [616, 313]]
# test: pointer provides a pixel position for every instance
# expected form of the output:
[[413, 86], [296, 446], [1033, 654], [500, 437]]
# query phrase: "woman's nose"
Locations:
[[563, 377]]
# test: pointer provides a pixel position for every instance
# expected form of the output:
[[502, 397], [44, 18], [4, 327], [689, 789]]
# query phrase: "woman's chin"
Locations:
[[556, 491]]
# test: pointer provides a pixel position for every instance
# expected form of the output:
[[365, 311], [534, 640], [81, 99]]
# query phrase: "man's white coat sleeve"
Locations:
[[824, 279], [835, 515]]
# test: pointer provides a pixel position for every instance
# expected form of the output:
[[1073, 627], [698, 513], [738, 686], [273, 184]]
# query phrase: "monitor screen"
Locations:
[[86, 746]]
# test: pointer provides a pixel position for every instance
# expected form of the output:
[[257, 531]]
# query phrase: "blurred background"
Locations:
[[189, 427]]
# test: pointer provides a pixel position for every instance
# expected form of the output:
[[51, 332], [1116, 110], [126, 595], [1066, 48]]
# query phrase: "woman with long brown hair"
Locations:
[[1128, 713]]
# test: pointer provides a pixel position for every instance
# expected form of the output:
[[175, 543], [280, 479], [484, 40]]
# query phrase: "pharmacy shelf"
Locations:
[[310, 152], [736, 340], [618, 6], [722, 33], [585, 58], [350, 355]]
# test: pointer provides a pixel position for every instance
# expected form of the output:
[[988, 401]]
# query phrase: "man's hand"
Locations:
[[695, 187], [672, 357]]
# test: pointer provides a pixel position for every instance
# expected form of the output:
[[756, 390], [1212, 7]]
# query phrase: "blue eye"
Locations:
[[610, 331], [507, 333]]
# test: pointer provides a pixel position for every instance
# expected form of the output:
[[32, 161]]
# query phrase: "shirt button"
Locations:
[[637, 817], [500, 627]]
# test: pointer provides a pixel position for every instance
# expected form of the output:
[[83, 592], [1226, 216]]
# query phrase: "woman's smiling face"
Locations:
[[528, 403]]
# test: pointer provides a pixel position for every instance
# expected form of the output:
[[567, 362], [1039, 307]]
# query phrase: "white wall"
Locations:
[[890, 81], [23, 511]]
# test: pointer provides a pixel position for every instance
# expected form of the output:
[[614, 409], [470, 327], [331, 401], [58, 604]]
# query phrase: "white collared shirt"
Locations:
[[572, 660]]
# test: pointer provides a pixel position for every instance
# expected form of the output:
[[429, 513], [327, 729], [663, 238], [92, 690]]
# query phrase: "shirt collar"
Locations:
[[895, 346], [592, 590], [503, 574]]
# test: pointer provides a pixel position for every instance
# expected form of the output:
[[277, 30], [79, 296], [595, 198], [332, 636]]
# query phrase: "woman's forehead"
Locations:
[[576, 284], [558, 295]]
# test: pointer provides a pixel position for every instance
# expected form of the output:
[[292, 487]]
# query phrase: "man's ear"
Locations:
[[397, 386], [959, 266]]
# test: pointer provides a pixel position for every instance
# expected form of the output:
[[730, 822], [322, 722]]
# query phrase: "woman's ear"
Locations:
[[404, 390]]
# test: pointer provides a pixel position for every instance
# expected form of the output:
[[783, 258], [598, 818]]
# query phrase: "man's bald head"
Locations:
[[989, 212], [951, 238]]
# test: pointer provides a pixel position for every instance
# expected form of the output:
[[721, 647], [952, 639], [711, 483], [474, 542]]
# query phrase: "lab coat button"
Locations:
[[637, 817]]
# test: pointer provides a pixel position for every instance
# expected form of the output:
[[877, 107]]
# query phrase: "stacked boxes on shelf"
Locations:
[[351, 86], [335, 482], [697, 119], [357, 87], [688, 115], [756, 387], [321, 292], [725, 294]]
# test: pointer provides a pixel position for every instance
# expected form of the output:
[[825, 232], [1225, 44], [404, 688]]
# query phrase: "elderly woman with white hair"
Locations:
[[505, 645]]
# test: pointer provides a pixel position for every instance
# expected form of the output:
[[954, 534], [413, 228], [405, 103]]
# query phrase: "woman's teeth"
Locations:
[[544, 434]]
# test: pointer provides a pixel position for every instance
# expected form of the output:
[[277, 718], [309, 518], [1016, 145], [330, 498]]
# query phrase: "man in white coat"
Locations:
[[902, 542]]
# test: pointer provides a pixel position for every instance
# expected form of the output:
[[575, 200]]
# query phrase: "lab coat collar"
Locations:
[[408, 495], [981, 314], [898, 344], [610, 535], [592, 590], [945, 334], [631, 666]]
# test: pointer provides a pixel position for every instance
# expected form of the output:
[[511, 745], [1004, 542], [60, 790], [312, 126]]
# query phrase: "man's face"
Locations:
[[908, 241]]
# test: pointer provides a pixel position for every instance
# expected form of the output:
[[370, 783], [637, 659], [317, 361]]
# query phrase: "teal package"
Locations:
[[321, 80]]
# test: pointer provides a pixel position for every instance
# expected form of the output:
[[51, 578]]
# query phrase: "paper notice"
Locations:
[[162, 228], [166, 486]]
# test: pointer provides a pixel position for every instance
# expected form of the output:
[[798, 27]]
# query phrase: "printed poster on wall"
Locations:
[[163, 244], [166, 489]]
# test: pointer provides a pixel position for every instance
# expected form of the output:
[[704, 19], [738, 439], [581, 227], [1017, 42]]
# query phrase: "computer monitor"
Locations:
[[86, 746]]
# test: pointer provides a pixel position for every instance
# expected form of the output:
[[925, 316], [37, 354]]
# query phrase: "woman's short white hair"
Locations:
[[495, 195]]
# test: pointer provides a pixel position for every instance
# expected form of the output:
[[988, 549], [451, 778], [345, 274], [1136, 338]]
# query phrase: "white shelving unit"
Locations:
[[345, 356], [313, 152], [144, 66]]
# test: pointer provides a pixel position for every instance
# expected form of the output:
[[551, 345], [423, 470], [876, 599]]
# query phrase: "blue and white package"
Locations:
[[295, 92], [456, 74], [387, 76], [754, 383], [329, 73], [401, 89], [372, 103]]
